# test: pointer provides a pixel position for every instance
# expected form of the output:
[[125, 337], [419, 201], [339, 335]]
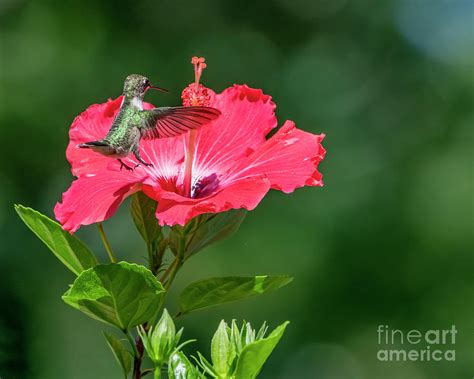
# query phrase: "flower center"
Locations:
[[194, 94], [204, 186]]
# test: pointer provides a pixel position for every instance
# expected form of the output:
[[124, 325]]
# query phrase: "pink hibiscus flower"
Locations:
[[227, 164]]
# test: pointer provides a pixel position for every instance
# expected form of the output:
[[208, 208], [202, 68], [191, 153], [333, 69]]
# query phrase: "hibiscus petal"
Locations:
[[289, 159], [92, 199], [167, 156], [175, 209], [247, 117], [92, 125]]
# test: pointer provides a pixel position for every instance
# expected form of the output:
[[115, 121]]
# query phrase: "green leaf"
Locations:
[[69, 249], [143, 213], [121, 294], [121, 354], [214, 291], [254, 355], [215, 228]]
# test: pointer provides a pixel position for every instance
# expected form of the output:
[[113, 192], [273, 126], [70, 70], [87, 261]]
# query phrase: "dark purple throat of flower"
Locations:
[[205, 186], [201, 188]]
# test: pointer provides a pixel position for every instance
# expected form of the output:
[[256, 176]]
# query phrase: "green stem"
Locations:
[[106, 243], [151, 257], [157, 373], [171, 272], [132, 343], [168, 271], [137, 362], [177, 263]]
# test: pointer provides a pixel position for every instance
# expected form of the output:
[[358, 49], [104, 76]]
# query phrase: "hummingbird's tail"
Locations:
[[90, 144]]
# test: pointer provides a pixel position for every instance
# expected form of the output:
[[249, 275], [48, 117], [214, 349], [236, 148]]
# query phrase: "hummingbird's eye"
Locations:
[[146, 82]]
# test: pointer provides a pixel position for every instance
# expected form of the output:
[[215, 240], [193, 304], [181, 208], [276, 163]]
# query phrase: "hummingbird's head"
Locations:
[[136, 86]]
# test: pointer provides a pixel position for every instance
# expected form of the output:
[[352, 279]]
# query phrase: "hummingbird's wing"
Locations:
[[172, 121]]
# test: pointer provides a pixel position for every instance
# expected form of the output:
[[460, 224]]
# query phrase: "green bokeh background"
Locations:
[[388, 240]]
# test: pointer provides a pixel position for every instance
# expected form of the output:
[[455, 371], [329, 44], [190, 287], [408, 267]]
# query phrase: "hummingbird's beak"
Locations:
[[158, 88]]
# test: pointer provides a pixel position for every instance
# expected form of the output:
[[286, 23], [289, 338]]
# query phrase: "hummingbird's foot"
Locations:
[[138, 165], [122, 165], [140, 159]]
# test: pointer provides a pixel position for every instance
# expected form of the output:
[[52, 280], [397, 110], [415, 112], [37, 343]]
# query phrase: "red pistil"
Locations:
[[199, 65], [195, 93]]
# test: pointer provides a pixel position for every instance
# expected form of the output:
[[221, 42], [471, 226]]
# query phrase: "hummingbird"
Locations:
[[132, 122]]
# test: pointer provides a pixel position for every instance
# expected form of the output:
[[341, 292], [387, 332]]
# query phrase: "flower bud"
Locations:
[[179, 367], [222, 351], [161, 339], [236, 337]]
